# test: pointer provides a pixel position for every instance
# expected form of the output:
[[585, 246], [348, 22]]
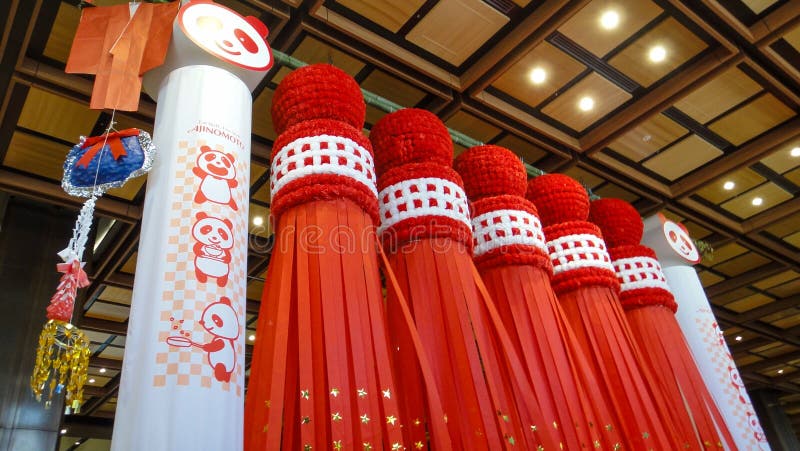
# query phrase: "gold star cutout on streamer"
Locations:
[[540, 448], [533, 427], [417, 422], [334, 392], [609, 427], [364, 419], [306, 447], [506, 418], [336, 416], [304, 394], [445, 418], [337, 444], [367, 446], [387, 394], [362, 393], [266, 426], [267, 403], [512, 441], [305, 420], [645, 435], [419, 445], [555, 425], [597, 443], [396, 446], [707, 443], [617, 447], [391, 419]]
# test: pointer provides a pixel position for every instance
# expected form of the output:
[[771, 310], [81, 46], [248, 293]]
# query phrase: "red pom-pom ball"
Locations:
[[491, 171], [410, 136], [618, 220], [558, 198], [318, 91]]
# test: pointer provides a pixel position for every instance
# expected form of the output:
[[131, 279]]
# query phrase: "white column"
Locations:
[[182, 385], [703, 333]]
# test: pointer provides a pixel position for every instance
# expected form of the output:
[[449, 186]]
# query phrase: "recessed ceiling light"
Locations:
[[609, 19], [780, 371], [729, 185], [63, 431], [538, 75], [657, 54], [586, 103], [78, 442], [795, 152], [91, 381], [757, 201], [252, 337], [258, 220], [102, 370], [738, 338]]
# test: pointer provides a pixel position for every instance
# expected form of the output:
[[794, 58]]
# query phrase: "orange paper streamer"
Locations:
[[119, 48]]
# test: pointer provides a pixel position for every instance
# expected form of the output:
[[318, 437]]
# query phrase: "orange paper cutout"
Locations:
[[119, 48]]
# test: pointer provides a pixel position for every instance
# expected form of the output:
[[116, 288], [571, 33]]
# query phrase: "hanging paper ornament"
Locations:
[[93, 166], [99, 163]]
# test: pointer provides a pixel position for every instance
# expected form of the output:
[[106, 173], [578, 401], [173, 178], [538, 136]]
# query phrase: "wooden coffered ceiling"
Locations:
[[667, 136]]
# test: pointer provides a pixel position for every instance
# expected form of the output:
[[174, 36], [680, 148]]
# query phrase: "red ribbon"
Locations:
[[74, 268], [113, 140]]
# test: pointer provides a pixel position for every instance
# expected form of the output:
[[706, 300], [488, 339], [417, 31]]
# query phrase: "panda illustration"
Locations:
[[220, 320], [212, 252], [218, 174]]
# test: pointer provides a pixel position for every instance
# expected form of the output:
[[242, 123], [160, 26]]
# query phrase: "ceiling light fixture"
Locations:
[[738, 338], [757, 201], [63, 431], [729, 185], [609, 20], [586, 103], [78, 442], [538, 75], [102, 370], [657, 54], [780, 371], [258, 220], [91, 381], [795, 152], [252, 337]]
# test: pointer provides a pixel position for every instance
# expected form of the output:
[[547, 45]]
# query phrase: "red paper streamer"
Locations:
[[518, 279], [485, 391], [587, 290], [650, 312]]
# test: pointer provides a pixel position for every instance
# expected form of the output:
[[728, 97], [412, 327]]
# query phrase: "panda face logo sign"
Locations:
[[225, 34], [679, 240]]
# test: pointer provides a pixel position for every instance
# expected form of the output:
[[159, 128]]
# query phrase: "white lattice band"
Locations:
[[428, 196], [578, 251], [639, 272], [500, 228], [324, 154]]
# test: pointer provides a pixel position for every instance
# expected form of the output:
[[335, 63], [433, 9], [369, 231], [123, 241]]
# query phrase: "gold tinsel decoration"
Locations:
[[62, 362]]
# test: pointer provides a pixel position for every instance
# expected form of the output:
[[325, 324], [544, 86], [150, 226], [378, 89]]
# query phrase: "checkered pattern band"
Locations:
[[639, 272], [427, 196], [500, 228], [577, 251], [324, 154]]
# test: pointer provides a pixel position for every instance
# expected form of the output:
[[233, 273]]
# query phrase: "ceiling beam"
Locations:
[[759, 327], [768, 363], [746, 155], [88, 426], [543, 21], [673, 89], [745, 279], [52, 193], [768, 309]]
